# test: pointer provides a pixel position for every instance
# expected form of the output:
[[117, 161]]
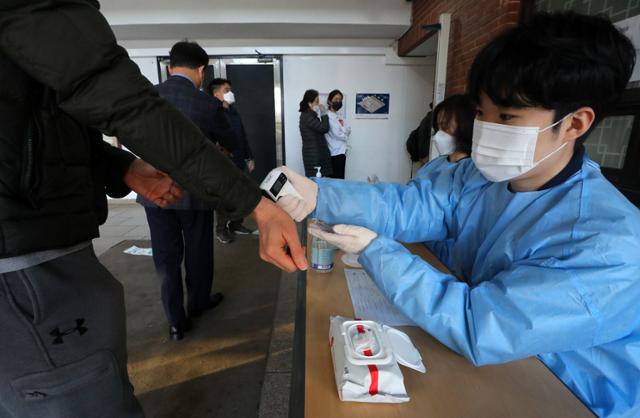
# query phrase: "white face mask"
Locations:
[[445, 143], [229, 97], [504, 152]]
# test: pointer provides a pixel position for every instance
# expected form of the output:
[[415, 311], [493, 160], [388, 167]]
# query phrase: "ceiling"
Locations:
[[235, 19]]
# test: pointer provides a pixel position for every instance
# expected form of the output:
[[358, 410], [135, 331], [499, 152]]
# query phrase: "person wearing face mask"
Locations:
[[220, 88], [549, 249], [314, 124], [338, 134], [453, 127]]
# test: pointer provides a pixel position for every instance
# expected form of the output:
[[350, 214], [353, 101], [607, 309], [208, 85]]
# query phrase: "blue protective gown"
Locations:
[[552, 273], [437, 164], [442, 167]]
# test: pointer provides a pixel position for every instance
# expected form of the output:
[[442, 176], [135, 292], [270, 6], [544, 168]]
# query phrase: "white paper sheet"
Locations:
[[369, 303], [133, 250]]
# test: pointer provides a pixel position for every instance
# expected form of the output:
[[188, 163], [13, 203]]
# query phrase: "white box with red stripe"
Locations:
[[365, 360]]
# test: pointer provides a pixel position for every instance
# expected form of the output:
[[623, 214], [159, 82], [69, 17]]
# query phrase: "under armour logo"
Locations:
[[59, 335]]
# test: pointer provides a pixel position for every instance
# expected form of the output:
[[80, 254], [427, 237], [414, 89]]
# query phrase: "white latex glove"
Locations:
[[297, 208], [349, 238]]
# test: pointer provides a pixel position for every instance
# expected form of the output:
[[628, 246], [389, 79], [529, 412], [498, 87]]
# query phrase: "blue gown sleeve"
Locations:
[[422, 210], [528, 309]]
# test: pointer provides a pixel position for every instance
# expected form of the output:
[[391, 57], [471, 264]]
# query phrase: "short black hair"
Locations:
[[559, 61], [188, 54], [333, 94], [215, 84], [309, 96], [462, 109]]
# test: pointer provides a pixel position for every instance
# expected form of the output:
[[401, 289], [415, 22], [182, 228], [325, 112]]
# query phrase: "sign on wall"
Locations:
[[372, 105]]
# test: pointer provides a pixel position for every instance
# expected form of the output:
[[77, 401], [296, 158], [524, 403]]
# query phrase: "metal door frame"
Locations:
[[219, 64], [440, 81]]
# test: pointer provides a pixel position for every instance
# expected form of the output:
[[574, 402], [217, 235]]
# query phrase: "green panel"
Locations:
[[615, 9], [607, 144]]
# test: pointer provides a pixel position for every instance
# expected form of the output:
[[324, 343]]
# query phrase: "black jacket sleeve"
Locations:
[[68, 46], [117, 164], [321, 125], [246, 148], [221, 130]]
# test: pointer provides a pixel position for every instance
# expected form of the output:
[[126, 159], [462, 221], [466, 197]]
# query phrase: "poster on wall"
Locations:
[[372, 105], [342, 113], [631, 28]]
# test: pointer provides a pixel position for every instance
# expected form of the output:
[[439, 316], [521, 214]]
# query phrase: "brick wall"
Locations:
[[473, 24]]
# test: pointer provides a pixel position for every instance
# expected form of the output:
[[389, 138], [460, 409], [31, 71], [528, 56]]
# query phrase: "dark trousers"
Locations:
[[178, 235], [63, 346], [337, 164]]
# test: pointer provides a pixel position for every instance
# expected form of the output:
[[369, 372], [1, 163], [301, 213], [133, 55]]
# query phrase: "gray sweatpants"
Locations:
[[63, 342]]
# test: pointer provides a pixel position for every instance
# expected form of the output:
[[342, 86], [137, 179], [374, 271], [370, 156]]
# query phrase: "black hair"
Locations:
[[188, 54], [215, 84], [560, 62], [460, 108], [333, 94], [309, 96]]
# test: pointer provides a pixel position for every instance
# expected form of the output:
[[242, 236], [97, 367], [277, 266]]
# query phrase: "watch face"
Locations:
[[278, 184]]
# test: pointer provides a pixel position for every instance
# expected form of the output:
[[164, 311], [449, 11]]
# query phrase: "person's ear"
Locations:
[[579, 123]]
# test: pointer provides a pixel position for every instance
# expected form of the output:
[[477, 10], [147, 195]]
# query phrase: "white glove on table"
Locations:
[[297, 208], [349, 238]]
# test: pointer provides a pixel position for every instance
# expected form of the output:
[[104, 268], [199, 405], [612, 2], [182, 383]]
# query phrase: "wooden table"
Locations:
[[452, 387]]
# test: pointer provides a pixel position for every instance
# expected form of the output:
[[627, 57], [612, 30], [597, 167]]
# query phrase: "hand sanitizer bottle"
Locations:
[[321, 251]]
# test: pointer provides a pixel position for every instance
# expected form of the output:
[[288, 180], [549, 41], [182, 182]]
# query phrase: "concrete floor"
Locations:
[[126, 221], [237, 360]]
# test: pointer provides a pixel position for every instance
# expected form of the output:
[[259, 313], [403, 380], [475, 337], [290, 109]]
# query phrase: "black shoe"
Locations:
[[238, 228], [214, 301], [176, 333], [225, 236]]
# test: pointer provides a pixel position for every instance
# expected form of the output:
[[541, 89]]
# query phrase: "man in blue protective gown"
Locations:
[[549, 249]]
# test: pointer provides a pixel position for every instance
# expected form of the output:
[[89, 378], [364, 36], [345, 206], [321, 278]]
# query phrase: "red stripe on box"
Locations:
[[373, 389]]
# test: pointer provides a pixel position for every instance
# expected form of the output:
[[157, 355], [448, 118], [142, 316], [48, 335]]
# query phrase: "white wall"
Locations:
[[148, 67], [378, 146]]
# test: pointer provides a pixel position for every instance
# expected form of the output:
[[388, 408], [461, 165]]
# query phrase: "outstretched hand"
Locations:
[[279, 242]]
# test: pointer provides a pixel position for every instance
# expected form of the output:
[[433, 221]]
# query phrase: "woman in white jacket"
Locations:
[[337, 135]]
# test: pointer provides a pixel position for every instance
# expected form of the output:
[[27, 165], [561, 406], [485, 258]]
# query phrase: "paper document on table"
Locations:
[[369, 303]]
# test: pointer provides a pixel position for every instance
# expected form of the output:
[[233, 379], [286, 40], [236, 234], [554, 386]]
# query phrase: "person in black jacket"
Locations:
[[314, 123], [419, 140], [242, 156], [63, 78]]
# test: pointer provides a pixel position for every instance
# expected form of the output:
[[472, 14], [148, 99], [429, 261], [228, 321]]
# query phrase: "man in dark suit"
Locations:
[[184, 230]]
